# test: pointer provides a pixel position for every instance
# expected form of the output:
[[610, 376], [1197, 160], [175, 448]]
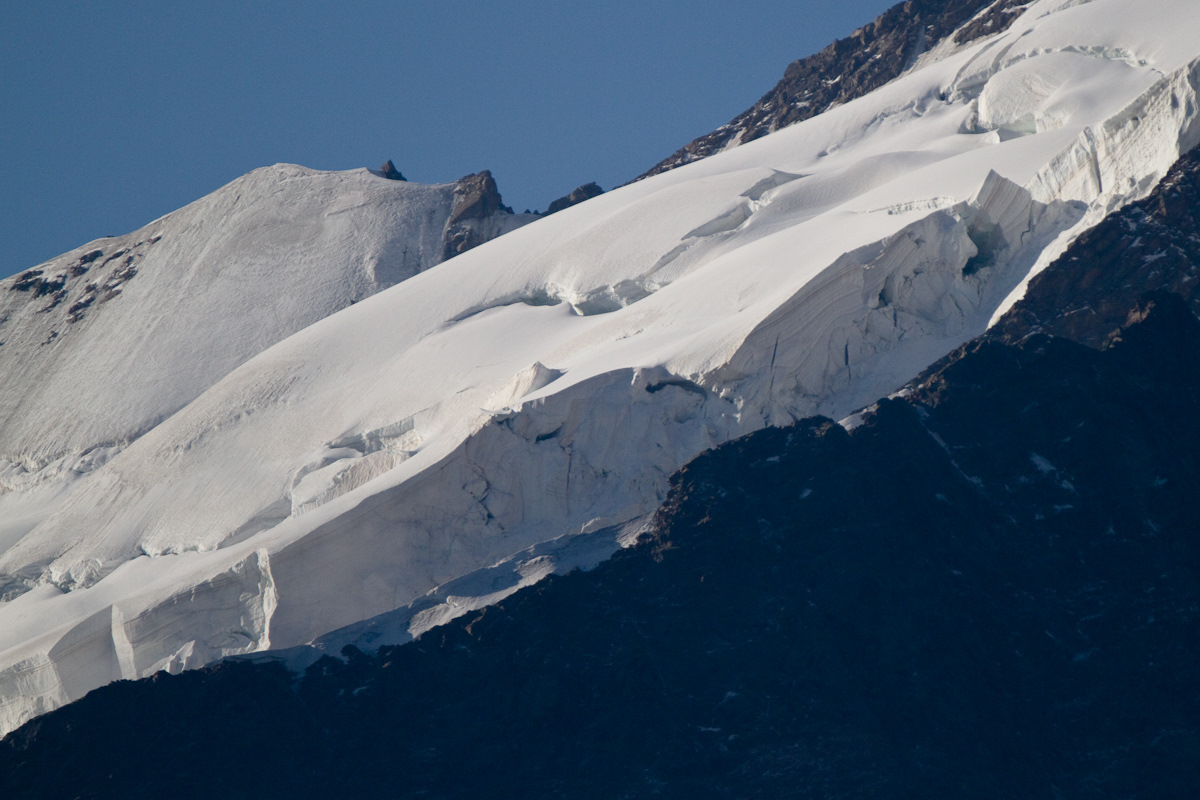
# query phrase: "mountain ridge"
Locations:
[[872, 56], [350, 235]]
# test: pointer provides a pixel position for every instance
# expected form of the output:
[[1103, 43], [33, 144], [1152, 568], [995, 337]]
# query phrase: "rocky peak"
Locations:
[[389, 171], [476, 197], [873, 55], [577, 196], [478, 214]]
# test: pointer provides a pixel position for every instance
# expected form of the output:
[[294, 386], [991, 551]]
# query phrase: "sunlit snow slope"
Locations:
[[105, 342], [517, 409]]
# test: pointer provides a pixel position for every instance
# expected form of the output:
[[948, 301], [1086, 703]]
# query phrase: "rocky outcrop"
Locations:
[[849, 68], [1151, 245], [389, 171], [475, 217], [476, 197], [577, 196]]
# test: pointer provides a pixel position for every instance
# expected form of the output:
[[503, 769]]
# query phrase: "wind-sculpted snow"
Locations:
[[102, 344], [518, 408], [865, 321], [196, 293]]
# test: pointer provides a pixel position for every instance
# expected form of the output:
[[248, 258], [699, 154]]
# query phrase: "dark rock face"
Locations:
[[577, 196], [1151, 245], [989, 589], [476, 198], [993, 19], [389, 171], [852, 67], [459, 240]]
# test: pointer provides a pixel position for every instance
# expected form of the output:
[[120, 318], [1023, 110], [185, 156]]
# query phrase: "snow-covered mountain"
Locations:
[[517, 409], [142, 323], [103, 343], [908, 33]]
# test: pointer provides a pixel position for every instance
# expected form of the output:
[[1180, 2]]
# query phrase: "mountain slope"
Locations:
[[873, 55], [196, 293], [986, 589], [105, 342], [519, 408], [1150, 245]]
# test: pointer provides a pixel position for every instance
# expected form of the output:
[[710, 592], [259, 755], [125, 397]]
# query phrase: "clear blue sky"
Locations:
[[114, 113]]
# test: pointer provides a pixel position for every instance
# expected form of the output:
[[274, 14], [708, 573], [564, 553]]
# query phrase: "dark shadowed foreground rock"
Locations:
[[988, 589]]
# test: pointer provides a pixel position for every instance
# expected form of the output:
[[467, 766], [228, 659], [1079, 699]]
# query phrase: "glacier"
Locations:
[[106, 341], [404, 454]]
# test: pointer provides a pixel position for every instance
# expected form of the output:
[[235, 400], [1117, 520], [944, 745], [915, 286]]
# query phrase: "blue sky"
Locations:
[[115, 113]]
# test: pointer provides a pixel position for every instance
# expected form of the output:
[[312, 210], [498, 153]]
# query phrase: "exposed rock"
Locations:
[[873, 55], [577, 196], [475, 197], [459, 240], [1150, 245], [81, 266], [476, 200], [37, 284], [992, 19], [389, 171], [987, 589]]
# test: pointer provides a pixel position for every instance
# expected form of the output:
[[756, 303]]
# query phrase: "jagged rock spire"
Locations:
[[389, 171]]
